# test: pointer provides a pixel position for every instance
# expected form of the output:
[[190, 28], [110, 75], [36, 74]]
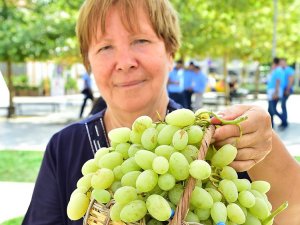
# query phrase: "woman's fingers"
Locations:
[[256, 140]]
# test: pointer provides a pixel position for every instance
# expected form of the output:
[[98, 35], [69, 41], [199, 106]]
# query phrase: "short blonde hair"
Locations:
[[162, 16]]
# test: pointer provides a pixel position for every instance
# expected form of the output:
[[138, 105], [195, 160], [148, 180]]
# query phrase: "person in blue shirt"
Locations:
[[129, 47], [189, 73], [289, 73], [87, 92], [275, 86], [199, 86], [176, 84]]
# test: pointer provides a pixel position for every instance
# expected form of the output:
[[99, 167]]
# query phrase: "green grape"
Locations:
[[199, 169], [125, 194], [180, 139], [141, 124], [160, 165], [158, 207], [199, 183], [149, 138], [179, 166], [200, 198], [229, 190], [115, 211], [144, 159], [115, 186], [190, 152], [129, 165], [210, 152], [85, 181], [123, 149], [191, 217], [129, 179], [224, 156], [89, 166], [181, 118], [218, 212], [231, 223], [118, 172], [101, 196], [102, 151], [110, 160], [245, 210], [235, 213], [154, 222], [102, 179], [160, 126], [195, 134], [166, 182], [261, 186], [175, 194], [215, 194], [246, 199], [260, 209], [82, 190], [77, 206], [202, 114], [203, 214], [135, 137], [251, 220], [165, 136], [146, 181], [228, 173], [133, 149], [242, 184], [207, 222], [119, 135], [133, 211], [165, 151]]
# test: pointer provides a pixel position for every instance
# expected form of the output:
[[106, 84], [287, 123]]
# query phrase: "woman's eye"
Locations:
[[104, 48], [141, 41]]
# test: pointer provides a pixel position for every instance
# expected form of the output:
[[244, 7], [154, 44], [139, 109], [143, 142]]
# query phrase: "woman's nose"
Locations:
[[125, 59]]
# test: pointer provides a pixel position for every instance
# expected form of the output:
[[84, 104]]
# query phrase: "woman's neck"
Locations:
[[114, 118]]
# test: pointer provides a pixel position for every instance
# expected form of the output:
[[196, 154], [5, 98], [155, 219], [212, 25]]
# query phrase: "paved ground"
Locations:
[[33, 129]]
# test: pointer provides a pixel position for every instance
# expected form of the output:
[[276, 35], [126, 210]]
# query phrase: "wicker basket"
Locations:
[[98, 214]]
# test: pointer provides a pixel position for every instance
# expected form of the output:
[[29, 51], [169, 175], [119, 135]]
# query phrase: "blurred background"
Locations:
[[41, 73]]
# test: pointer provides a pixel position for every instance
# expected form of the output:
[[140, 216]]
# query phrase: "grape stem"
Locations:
[[275, 213], [236, 121]]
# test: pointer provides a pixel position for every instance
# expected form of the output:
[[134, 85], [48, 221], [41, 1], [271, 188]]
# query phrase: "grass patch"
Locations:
[[15, 221], [297, 158], [20, 166]]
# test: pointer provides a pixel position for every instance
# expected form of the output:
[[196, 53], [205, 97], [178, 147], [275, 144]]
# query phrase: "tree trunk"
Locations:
[[11, 108]]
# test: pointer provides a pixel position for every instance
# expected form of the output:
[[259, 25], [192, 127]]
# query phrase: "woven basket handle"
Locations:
[[183, 206]]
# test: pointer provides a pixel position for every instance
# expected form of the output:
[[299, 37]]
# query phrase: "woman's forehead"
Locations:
[[134, 21]]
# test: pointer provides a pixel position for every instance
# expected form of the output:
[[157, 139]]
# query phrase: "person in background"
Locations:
[[176, 84], [188, 84], [86, 91], [289, 74], [199, 85], [275, 89], [129, 46]]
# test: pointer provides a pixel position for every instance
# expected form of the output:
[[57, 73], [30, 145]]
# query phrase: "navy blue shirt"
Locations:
[[65, 154]]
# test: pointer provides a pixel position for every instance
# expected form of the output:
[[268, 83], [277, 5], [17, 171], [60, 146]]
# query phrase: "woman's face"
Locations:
[[130, 69]]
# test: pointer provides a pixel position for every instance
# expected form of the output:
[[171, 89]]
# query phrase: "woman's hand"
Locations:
[[256, 140]]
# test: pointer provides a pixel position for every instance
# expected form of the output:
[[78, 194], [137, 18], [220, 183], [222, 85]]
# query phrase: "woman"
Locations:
[[129, 46]]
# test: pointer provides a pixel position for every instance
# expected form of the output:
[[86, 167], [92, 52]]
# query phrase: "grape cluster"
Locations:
[[147, 167]]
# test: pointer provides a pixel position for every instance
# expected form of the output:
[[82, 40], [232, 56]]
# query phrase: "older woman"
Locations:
[[129, 46]]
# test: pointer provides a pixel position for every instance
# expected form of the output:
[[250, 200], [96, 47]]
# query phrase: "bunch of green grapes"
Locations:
[[147, 167]]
